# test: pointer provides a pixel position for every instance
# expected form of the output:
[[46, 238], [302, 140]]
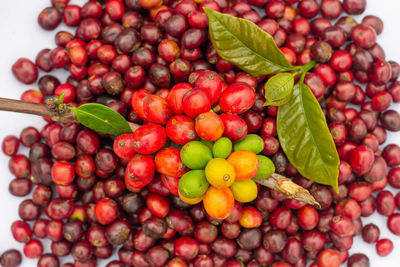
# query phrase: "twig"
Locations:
[[61, 113], [51, 109], [284, 185]]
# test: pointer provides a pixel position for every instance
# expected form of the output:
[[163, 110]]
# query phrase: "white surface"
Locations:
[[20, 35]]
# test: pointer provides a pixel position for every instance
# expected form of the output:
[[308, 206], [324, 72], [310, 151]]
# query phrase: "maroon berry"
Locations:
[[10, 258], [354, 6], [385, 203], [20, 187], [186, 248], [81, 251], [49, 18], [363, 35], [370, 233], [48, 260], [358, 260], [275, 240], [390, 120]]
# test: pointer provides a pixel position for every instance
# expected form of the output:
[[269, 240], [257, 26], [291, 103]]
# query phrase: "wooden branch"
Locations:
[[61, 113], [51, 109], [286, 186]]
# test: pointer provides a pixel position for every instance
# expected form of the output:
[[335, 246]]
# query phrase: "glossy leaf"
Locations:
[[245, 45], [305, 138], [102, 119], [278, 89]]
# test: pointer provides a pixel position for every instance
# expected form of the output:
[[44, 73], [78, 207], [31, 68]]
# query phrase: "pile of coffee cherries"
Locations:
[[73, 183]]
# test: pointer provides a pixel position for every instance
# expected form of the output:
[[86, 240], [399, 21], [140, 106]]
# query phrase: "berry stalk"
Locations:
[[61, 113]]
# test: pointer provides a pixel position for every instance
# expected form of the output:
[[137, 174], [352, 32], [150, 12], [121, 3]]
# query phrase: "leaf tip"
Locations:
[[335, 186], [207, 11]]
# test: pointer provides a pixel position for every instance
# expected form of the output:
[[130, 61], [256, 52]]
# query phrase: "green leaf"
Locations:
[[245, 45], [305, 137], [278, 89], [101, 119]]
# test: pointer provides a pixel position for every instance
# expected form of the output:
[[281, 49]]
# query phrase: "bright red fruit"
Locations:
[[211, 83], [237, 98], [168, 162], [362, 159], [175, 97], [181, 129], [149, 138], [137, 102], [156, 109], [157, 205], [106, 211], [63, 172], [171, 183], [195, 102], [139, 172], [124, 146], [235, 128]]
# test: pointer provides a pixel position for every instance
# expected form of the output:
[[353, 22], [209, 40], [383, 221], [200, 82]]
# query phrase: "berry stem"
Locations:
[[61, 113], [286, 186]]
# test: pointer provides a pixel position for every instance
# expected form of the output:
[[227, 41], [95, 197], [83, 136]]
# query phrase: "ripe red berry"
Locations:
[[106, 211], [63, 173]]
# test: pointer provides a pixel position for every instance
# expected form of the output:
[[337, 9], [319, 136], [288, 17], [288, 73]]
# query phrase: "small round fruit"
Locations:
[[106, 211], [222, 148], [191, 201], [180, 129], [156, 109], [251, 217], [218, 202], [235, 128], [168, 162], [139, 171], [195, 102], [251, 142], [149, 138], [195, 155], [193, 184], [220, 173], [245, 163], [244, 191], [209, 126], [123, 146], [237, 98], [265, 167]]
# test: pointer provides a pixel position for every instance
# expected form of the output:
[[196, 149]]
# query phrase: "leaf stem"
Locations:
[[308, 66]]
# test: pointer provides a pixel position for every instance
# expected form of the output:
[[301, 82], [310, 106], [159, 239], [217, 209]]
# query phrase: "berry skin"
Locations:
[[362, 159], [237, 98], [124, 146], [106, 211], [384, 247], [63, 173]]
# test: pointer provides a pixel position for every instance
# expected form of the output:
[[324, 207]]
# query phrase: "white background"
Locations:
[[20, 35]]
